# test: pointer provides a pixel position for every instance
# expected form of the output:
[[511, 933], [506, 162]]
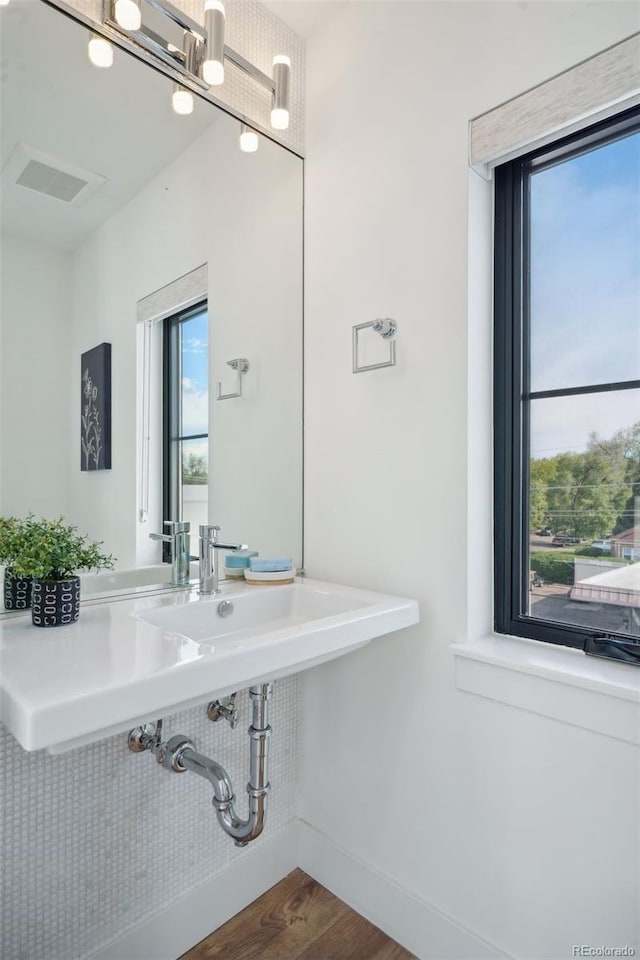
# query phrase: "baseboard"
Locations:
[[417, 925], [169, 932]]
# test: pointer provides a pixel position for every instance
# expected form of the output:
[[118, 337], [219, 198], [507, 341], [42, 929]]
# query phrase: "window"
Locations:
[[186, 416], [567, 391]]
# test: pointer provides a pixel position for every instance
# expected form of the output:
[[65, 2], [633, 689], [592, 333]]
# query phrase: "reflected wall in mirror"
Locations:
[[125, 223]]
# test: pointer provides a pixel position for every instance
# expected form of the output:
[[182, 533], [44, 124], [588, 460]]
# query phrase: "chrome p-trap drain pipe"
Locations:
[[179, 754]]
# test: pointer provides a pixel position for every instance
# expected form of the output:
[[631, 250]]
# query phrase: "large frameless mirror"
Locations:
[[151, 308]]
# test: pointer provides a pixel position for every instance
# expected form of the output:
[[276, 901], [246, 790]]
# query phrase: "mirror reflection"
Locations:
[[150, 311]]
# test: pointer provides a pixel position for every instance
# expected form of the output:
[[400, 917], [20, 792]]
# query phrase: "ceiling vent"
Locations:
[[51, 175], [55, 183]]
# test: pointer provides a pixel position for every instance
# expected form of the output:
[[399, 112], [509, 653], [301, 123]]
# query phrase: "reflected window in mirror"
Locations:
[[186, 416]]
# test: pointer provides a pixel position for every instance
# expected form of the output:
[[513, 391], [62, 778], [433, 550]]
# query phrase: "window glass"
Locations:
[[585, 268], [193, 459], [584, 503], [195, 375], [195, 482], [186, 411]]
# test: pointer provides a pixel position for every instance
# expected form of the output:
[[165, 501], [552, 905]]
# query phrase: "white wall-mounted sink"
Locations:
[[131, 661]]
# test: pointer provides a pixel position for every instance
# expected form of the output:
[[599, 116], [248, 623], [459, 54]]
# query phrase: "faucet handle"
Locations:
[[209, 531]]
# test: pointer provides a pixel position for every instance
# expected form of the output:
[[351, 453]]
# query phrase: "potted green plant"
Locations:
[[17, 590], [53, 553]]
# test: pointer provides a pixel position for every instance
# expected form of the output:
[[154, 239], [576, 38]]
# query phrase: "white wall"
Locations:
[[35, 384], [510, 824]]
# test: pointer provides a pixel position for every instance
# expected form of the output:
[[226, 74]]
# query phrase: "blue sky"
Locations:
[[195, 377], [585, 293]]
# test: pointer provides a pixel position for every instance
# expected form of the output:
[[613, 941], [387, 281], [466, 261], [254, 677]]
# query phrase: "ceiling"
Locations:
[[116, 123], [305, 16]]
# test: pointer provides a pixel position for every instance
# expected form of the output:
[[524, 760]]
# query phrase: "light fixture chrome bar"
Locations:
[[178, 17], [247, 67], [194, 54], [158, 45]]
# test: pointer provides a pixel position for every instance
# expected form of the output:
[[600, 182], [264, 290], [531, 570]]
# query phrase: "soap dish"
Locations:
[[274, 576]]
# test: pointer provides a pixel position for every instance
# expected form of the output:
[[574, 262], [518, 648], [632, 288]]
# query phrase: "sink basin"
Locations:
[[255, 614], [131, 661]]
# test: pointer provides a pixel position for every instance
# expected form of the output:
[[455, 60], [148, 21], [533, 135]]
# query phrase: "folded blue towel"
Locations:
[[270, 564]]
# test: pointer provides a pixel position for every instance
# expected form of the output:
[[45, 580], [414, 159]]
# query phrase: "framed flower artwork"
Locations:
[[95, 409]]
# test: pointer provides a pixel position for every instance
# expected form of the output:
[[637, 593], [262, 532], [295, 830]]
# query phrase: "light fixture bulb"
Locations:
[[127, 14], [248, 139], [4, 3], [100, 52], [215, 26], [182, 101], [213, 73], [281, 92], [279, 118]]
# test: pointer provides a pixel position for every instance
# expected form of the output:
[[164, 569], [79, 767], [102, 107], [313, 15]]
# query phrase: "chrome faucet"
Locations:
[[178, 537], [208, 561]]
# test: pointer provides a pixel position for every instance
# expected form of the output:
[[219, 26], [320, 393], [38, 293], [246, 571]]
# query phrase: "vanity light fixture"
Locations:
[[201, 57], [281, 92], [127, 14], [214, 24], [4, 3], [182, 100], [100, 52], [249, 141]]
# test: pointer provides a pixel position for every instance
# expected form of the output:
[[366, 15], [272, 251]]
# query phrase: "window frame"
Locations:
[[172, 412], [511, 386]]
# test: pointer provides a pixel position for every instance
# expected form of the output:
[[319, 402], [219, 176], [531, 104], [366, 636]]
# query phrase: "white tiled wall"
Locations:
[[97, 840], [258, 35]]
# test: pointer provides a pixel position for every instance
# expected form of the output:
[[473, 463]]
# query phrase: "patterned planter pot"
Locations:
[[55, 603], [17, 592]]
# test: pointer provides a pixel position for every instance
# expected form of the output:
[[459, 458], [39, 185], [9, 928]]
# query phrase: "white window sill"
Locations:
[[552, 681]]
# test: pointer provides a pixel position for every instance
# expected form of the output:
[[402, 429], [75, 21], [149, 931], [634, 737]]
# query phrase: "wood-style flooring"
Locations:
[[298, 920]]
